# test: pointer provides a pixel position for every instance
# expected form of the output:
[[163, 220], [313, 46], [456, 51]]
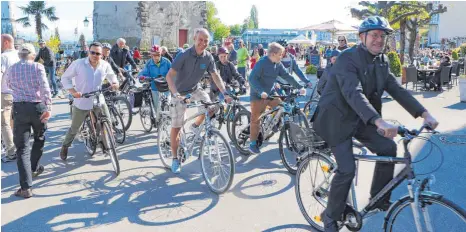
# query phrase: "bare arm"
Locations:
[[218, 81], [171, 84]]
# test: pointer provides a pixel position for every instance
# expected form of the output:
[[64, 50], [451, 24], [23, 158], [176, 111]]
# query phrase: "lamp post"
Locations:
[[86, 21]]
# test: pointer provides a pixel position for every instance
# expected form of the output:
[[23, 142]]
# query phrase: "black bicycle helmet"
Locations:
[[283, 42], [375, 23]]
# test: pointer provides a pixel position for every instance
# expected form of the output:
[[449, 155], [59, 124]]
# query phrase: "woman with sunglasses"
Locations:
[[154, 68]]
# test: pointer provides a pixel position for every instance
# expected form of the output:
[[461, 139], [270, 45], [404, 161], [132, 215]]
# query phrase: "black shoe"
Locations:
[[9, 158], [54, 95], [39, 171], [330, 225]]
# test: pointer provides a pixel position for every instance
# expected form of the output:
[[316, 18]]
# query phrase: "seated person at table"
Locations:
[[435, 78]]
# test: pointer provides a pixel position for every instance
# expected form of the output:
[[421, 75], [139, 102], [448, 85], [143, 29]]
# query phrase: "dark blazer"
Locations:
[[121, 56], [344, 101], [323, 79], [47, 55]]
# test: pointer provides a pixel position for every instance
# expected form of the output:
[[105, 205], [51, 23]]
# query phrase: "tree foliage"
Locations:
[[254, 18], [235, 29], [53, 43], [222, 31], [37, 10], [82, 40], [57, 34], [214, 24], [395, 64]]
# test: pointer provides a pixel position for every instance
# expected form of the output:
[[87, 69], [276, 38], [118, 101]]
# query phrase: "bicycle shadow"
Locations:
[[147, 196], [291, 228]]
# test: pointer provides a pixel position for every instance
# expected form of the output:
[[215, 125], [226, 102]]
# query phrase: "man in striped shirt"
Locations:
[[32, 106]]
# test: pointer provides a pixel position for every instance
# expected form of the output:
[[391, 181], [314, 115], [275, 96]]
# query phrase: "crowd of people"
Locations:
[[345, 109]]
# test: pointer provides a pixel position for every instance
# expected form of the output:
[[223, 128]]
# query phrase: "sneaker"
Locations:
[[54, 95], [24, 193], [9, 158], [176, 166], [39, 171], [330, 225], [254, 149]]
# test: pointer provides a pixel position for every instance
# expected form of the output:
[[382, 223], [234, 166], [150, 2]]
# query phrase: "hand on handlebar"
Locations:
[[386, 129], [309, 85], [429, 120], [77, 94], [302, 91]]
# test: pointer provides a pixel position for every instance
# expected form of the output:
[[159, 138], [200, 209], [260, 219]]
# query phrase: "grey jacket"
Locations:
[[348, 98]]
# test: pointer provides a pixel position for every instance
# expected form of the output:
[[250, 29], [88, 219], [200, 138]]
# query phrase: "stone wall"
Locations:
[[140, 23]]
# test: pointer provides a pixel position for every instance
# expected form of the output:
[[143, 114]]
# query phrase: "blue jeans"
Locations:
[[242, 71], [53, 79]]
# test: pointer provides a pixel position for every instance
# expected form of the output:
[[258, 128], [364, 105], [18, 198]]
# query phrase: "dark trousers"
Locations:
[[26, 115], [344, 175]]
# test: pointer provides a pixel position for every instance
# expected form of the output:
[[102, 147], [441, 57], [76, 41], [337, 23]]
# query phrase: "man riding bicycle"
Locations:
[[351, 106], [228, 73], [154, 68], [183, 78], [262, 79]]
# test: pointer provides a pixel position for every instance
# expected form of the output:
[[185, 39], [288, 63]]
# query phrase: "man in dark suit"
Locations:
[[351, 106]]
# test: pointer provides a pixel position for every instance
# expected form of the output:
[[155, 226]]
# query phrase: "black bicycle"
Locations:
[[420, 210], [97, 129]]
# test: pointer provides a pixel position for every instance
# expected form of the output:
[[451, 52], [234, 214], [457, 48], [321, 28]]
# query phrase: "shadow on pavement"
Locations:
[[291, 228]]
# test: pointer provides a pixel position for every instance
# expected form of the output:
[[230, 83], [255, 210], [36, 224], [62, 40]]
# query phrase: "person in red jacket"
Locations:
[[137, 55], [254, 57]]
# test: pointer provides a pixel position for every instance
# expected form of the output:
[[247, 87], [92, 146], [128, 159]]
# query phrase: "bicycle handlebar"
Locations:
[[94, 93], [404, 132]]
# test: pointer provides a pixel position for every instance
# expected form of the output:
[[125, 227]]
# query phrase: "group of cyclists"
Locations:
[[349, 104]]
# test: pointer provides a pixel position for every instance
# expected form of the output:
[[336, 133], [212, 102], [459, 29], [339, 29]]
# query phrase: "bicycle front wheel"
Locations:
[[109, 143], [124, 109], [163, 142], [89, 135], [145, 114], [436, 213], [312, 186], [241, 131], [217, 162], [229, 120]]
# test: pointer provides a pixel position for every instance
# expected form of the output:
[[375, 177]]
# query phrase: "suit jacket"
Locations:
[[344, 102]]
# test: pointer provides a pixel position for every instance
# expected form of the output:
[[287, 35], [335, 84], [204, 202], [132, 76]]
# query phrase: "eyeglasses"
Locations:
[[376, 36], [341, 40], [95, 53]]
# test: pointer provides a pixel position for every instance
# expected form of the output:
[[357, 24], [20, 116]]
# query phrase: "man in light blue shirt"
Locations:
[[87, 74]]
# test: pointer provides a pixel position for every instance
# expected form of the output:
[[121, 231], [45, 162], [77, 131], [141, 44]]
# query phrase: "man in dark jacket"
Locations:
[[121, 55], [435, 79], [227, 71], [351, 105], [47, 55]]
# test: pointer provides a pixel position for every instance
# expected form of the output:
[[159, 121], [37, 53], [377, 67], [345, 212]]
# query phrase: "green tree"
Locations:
[[212, 20], [235, 29], [57, 34], [37, 10], [254, 18], [395, 64], [245, 25], [53, 43], [222, 31]]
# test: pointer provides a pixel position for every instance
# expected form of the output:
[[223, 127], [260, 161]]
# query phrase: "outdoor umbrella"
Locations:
[[301, 39], [334, 27]]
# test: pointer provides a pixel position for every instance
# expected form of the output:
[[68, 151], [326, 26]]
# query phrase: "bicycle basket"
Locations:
[[161, 84], [137, 99], [305, 136]]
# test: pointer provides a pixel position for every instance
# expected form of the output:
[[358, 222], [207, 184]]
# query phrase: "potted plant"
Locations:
[[311, 70], [462, 87], [395, 65]]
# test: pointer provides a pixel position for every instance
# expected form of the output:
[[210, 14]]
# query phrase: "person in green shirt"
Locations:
[[242, 57]]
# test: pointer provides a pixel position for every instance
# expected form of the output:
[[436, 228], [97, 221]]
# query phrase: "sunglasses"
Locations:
[[341, 40], [95, 53]]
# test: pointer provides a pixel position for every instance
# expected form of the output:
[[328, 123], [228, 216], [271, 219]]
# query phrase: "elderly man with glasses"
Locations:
[[88, 75]]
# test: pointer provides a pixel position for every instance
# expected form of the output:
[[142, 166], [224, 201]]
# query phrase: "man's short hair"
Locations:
[[201, 31], [275, 48], [95, 44], [121, 40]]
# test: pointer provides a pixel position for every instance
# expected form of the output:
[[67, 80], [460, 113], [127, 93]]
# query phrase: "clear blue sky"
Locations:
[[272, 14]]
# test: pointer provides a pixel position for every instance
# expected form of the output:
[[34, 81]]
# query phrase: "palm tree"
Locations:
[[37, 9]]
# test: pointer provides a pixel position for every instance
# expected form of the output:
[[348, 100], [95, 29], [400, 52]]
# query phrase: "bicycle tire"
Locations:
[[243, 151], [303, 166], [307, 109], [120, 134], [424, 199], [145, 115], [229, 120], [163, 142], [90, 141], [230, 158], [110, 147], [127, 117], [285, 139]]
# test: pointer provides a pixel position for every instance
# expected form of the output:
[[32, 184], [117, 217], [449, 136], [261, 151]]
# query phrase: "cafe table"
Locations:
[[424, 72]]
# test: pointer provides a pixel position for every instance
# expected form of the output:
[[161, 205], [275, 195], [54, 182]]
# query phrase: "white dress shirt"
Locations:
[[9, 57], [86, 79]]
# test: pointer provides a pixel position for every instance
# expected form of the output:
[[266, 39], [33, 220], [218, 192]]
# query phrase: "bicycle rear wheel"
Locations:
[[163, 142], [124, 108], [229, 120], [217, 162], [290, 150], [109, 143], [312, 186], [118, 126], [436, 213], [89, 135], [145, 114]]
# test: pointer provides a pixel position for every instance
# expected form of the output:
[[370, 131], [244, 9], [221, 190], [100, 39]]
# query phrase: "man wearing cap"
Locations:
[[227, 72], [9, 57], [47, 55], [155, 67], [32, 106], [183, 78]]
